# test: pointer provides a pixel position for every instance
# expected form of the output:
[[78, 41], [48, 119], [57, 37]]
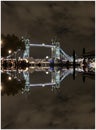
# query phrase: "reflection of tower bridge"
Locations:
[[59, 65]]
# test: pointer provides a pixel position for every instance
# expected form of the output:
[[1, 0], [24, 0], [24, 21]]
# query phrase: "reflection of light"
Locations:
[[79, 69], [43, 85], [0, 87], [27, 61], [15, 77], [9, 51], [47, 72], [26, 69], [58, 71], [9, 78], [92, 65], [1, 42], [47, 57], [79, 60], [52, 80]]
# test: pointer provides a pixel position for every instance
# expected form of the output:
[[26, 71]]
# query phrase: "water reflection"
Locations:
[[20, 79]]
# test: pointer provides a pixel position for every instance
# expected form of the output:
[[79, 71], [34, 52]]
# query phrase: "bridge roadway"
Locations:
[[42, 45], [43, 85]]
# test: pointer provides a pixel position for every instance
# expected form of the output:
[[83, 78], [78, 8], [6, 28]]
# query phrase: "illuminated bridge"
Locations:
[[60, 65]]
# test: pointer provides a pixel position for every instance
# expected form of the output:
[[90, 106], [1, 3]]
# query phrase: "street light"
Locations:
[[47, 72], [9, 51], [9, 78]]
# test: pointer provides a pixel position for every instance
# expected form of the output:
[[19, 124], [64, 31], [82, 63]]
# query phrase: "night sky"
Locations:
[[73, 24]]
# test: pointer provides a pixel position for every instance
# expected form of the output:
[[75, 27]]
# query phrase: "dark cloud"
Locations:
[[73, 24]]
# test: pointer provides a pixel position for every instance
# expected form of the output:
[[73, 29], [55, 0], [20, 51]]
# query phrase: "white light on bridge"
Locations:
[[43, 85], [43, 44], [9, 51], [9, 78]]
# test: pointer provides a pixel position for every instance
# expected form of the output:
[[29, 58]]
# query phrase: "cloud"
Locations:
[[71, 22]]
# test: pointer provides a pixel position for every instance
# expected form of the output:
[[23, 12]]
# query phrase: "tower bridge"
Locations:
[[56, 51], [60, 65]]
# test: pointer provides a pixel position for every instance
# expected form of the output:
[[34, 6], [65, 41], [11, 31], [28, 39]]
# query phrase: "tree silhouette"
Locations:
[[11, 42], [12, 87]]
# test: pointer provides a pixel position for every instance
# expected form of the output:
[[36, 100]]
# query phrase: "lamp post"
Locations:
[[9, 51]]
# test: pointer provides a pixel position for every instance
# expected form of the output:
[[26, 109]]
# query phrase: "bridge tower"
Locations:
[[27, 48], [55, 50]]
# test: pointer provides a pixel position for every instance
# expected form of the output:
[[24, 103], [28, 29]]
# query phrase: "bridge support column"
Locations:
[[27, 48], [55, 50], [56, 79]]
